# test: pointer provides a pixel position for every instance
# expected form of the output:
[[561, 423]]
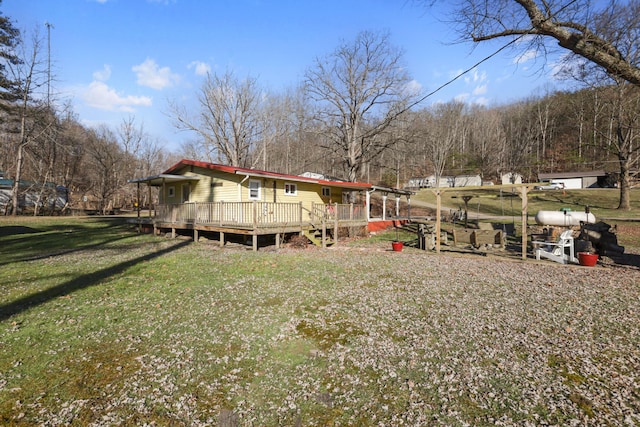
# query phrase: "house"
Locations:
[[207, 197], [576, 180], [445, 181], [510, 178], [32, 195]]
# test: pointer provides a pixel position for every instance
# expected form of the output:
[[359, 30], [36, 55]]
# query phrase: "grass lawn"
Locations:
[[100, 325]]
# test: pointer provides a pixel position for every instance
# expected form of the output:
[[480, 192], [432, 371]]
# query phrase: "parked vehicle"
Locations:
[[551, 186]]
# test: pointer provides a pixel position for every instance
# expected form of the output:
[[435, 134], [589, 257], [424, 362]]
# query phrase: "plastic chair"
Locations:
[[556, 251]]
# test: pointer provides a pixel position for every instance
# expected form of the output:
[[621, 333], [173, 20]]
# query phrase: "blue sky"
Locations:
[[115, 59]]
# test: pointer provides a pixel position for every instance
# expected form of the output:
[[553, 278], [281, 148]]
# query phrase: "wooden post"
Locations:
[[221, 213], [438, 213], [138, 208], [195, 214], [336, 222], [255, 215], [277, 240], [255, 242], [150, 202], [525, 202], [222, 239], [300, 213], [195, 235], [324, 234]]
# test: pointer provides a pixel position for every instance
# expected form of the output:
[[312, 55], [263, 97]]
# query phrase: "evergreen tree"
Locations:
[[9, 38]]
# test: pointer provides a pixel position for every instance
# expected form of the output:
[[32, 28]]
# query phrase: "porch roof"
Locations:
[[158, 180]]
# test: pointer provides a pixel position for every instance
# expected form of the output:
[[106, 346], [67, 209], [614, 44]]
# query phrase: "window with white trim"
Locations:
[[290, 189], [171, 191], [326, 192], [254, 189]]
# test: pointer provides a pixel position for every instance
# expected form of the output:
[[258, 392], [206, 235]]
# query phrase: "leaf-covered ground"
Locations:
[[147, 331]]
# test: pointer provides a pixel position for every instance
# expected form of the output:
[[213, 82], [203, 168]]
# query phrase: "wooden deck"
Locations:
[[257, 218]]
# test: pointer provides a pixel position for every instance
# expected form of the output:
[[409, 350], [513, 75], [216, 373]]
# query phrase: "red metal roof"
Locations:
[[256, 172]]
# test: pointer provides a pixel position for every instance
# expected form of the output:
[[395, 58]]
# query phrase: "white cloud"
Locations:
[[100, 95], [104, 74], [480, 90], [475, 76], [413, 87], [200, 68], [526, 56], [151, 75]]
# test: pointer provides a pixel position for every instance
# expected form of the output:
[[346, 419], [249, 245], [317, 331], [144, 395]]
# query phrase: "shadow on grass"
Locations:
[[10, 230], [78, 283], [22, 243]]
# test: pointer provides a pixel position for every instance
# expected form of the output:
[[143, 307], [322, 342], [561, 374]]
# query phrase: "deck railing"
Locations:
[[257, 214]]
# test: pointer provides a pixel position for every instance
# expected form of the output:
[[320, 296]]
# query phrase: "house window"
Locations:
[[186, 191], [254, 189], [326, 192], [171, 191], [290, 189]]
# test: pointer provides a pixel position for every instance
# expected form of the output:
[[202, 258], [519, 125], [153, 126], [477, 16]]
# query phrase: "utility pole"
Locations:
[[48, 25]]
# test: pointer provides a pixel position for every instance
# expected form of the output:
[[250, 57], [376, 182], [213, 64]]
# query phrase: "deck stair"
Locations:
[[315, 236]]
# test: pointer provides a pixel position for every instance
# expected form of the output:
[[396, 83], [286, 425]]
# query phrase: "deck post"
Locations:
[[138, 208], [300, 213], [525, 201], [255, 242], [324, 234], [335, 225], [438, 214], [195, 214], [195, 235], [255, 215], [277, 240], [150, 202], [221, 239]]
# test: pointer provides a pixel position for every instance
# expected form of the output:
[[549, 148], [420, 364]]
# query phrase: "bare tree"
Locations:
[[229, 121], [576, 25], [619, 23], [106, 160], [29, 75], [442, 130], [359, 90], [603, 33]]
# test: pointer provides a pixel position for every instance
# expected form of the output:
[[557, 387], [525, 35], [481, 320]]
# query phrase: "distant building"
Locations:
[[31, 194], [511, 178], [576, 180], [445, 181]]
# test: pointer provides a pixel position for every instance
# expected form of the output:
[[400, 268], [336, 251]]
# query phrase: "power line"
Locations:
[[439, 88]]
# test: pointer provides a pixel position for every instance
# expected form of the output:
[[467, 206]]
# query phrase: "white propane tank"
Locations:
[[562, 218]]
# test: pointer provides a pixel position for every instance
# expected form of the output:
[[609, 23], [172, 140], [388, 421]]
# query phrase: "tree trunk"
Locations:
[[625, 181], [16, 181]]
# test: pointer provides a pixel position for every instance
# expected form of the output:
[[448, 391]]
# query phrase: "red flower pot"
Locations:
[[587, 259]]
